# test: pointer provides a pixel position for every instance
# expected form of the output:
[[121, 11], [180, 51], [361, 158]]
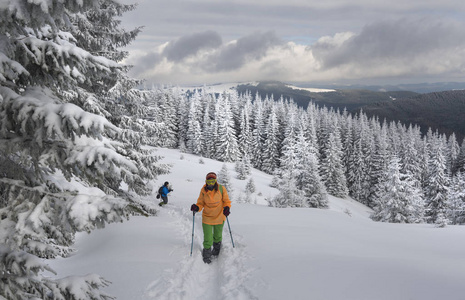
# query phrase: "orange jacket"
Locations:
[[212, 203]]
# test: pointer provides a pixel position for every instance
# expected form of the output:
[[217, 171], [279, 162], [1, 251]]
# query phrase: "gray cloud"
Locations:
[[235, 55], [297, 40], [191, 44], [391, 41], [145, 62], [176, 51]]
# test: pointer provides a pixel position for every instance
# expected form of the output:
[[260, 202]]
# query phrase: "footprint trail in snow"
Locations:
[[191, 278]]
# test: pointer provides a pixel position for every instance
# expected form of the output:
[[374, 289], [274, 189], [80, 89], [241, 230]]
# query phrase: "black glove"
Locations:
[[226, 211], [194, 208]]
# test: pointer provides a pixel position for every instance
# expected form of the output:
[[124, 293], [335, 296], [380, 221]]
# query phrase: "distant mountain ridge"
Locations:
[[351, 99], [443, 111], [420, 88]]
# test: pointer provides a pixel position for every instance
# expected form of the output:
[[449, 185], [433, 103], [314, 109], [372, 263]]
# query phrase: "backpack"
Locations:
[[221, 190], [160, 190]]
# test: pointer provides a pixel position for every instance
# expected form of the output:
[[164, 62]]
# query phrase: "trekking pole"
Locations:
[[230, 232], [193, 220]]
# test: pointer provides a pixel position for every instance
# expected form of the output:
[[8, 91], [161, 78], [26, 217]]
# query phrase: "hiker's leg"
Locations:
[[218, 233], [207, 235]]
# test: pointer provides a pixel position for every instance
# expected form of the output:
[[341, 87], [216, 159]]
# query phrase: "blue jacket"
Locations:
[[164, 192]]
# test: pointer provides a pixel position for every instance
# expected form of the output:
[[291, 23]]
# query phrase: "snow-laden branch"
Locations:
[[39, 114], [62, 59], [10, 69]]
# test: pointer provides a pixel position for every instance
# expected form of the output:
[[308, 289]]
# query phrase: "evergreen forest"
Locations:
[[78, 141]]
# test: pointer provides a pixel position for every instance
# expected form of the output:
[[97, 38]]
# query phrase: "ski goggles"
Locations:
[[210, 181]]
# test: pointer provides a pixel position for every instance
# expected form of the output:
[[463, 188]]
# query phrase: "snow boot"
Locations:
[[207, 255], [216, 249]]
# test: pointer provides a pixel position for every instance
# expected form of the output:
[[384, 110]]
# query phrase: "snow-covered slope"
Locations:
[[232, 87], [292, 253], [216, 88]]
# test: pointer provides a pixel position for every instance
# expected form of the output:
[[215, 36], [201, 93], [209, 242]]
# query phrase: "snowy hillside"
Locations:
[[218, 88], [221, 88], [292, 253]]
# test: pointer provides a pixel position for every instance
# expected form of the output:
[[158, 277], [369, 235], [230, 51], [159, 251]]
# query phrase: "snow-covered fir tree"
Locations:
[[271, 146], [224, 178], [289, 195], [195, 140], [454, 152], [410, 158], [258, 132], [167, 104], [55, 140], [245, 128], [360, 160], [396, 199], [460, 165], [275, 181], [437, 188], [331, 167], [357, 172], [208, 132], [380, 160], [226, 148], [243, 168], [308, 178], [289, 169], [250, 187], [456, 198], [240, 170]]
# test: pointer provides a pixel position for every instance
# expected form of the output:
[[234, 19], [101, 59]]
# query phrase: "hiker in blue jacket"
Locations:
[[163, 192]]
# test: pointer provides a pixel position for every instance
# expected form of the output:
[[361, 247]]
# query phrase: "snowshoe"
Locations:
[[216, 249], [207, 255]]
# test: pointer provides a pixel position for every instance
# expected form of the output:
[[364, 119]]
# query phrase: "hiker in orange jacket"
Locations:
[[215, 203]]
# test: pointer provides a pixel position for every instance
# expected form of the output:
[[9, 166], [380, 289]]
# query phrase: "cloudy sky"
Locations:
[[334, 41]]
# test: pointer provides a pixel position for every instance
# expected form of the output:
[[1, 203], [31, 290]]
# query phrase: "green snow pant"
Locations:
[[211, 234]]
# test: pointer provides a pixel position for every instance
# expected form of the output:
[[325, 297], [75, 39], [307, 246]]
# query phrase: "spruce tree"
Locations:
[[194, 141], [308, 179], [240, 170], [250, 187], [226, 148], [208, 131], [437, 188], [64, 166], [331, 168], [460, 164], [258, 133], [272, 144], [396, 200], [245, 129], [454, 152], [289, 195], [289, 169], [225, 180], [410, 162], [456, 198], [380, 161]]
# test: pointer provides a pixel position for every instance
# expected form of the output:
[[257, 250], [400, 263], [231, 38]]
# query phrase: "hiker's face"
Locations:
[[210, 182]]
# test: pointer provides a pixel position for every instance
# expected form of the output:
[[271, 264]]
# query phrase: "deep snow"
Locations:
[[292, 253]]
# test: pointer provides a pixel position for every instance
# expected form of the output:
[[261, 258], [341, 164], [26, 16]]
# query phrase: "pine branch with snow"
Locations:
[[64, 166]]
